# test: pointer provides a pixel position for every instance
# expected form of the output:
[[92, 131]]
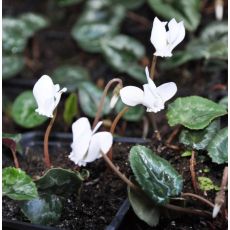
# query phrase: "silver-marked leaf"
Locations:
[[193, 112], [17, 185], [60, 182], [70, 76], [23, 111], [155, 175], [133, 114], [218, 147], [144, 208], [12, 65], [123, 53], [43, 210], [186, 11], [89, 98], [199, 139]]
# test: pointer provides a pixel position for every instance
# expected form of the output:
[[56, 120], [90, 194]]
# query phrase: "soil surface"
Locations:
[[103, 193]]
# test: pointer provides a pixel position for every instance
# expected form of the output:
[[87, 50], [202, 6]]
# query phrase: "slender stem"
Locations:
[[173, 135], [118, 173], [100, 107], [199, 198], [15, 159], [46, 140], [113, 127], [153, 66], [117, 118], [187, 210], [154, 124], [145, 127], [192, 171]]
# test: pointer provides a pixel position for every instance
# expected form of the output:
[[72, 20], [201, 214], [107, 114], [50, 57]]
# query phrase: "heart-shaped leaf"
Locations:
[[43, 210], [154, 174], [71, 108], [17, 185], [12, 65], [70, 76], [123, 53], [89, 98], [144, 208], [218, 147], [133, 114], [23, 111], [193, 112], [60, 182], [199, 139], [186, 11], [99, 20]]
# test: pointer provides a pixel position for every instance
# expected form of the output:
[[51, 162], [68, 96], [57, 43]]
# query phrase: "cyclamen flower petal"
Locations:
[[152, 97], [47, 95], [165, 41], [87, 146]]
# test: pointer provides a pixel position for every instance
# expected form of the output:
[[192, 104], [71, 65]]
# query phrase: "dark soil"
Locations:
[[104, 192]]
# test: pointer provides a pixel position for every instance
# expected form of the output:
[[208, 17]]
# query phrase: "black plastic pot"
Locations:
[[33, 139]]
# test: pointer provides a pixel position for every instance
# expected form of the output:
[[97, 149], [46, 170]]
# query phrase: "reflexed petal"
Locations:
[[58, 96], [131, 95], [179, 35], [158, 35], [97, 126], [167, 90], [173, 31], [101, 141], [150, 81]]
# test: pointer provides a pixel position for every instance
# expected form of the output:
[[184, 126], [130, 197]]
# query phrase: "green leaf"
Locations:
[[43, 210], [193, 112], [206, 184], [224, 102], [129, 4], [60, 182], [17, 185], [70, 76], [23, 111], [68, 2], [133, 114], [123, 53], [218, 147], [16, 138], [199, 139], [33, 22], [99, 20], [187, 153], [89, 98], [71, 108], [144, 208], [154, 174], [188, 11], [12, 65]]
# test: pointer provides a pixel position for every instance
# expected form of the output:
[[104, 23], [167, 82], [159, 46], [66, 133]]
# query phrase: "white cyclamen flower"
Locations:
[[87, 146], [152, 97], [165, 41], [47, 95]]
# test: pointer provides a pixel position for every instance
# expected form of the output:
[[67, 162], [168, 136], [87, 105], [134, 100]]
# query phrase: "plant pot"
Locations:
[[35, 140]]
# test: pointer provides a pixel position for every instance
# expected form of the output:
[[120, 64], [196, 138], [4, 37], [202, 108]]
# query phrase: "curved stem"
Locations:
[[187, 210], [15, 159], [46, 140], [202, 199], [100, 107], [118, 173]]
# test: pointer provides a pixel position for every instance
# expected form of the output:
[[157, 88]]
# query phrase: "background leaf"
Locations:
[[17, 185], [70, 76], [188, 11], [154, 174], [193, 112], [218, 147], [16, 138], [89, 98], [199, 139], [23, 111], [43, 210], [68, 2]]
